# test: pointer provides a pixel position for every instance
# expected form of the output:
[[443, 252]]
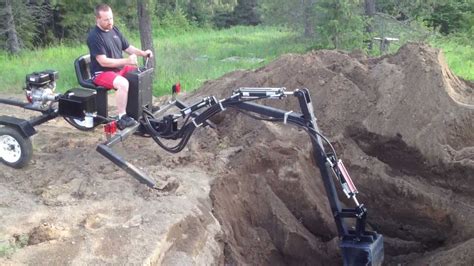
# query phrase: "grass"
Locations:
[[189, 58], [196, 57], [13, 69], [460, 55], [8, 247], [193, 57], [458, 50]]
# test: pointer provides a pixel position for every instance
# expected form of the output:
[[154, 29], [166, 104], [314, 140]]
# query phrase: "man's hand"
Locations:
[[147, 53], [132, 50], [132, 59]]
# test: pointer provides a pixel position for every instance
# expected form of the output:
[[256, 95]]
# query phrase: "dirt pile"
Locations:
[[403, 124]]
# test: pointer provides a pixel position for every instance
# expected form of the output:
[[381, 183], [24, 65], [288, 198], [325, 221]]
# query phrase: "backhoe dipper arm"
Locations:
[[307, 121]]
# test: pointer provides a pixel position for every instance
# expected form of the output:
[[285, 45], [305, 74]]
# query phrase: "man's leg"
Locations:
[[105, 79], [121, 84], [114, 80]]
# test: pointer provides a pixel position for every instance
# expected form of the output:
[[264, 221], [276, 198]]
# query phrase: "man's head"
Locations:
[[104, 17]]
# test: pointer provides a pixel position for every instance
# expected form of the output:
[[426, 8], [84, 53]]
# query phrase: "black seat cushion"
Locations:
[[84, 78], [82, 67], [89, 84]]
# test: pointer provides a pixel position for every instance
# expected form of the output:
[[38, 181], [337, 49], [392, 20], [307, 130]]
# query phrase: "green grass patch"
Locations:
[[8, 247], [194, 57], [13, 69], [190, 58], [458, 50], [459, 54]]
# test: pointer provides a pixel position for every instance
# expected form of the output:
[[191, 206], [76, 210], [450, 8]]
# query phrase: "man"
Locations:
[[108, 67]]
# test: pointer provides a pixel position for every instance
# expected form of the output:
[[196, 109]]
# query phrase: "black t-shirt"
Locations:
[[110, 43]]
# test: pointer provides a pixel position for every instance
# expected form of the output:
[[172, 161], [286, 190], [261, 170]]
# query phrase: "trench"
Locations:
[[423, 230], [405, 160], [267, 223]]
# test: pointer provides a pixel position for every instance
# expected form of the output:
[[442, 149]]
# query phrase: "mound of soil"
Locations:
[[248, 192], [404, 126]]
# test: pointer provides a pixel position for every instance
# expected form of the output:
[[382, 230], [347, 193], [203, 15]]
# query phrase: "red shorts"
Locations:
[[106, 79]]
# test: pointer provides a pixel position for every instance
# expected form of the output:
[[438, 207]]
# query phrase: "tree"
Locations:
[[163, 6], [12, 41], [43, 15], [76, 18], [308, 17], [369, 8], [19, 24], [447, 16], [451, 16], [144, 25], [199, 12], [340, 23], [299, 15], [246, 13]]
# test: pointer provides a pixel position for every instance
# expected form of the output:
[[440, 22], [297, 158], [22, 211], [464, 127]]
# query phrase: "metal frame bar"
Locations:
[[26, 127], [106, 150]]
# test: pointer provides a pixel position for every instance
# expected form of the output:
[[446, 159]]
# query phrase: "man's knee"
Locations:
[[121, 83]]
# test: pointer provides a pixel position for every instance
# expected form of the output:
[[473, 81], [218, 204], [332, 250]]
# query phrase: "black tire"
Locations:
[[15, 150], [72, 122]]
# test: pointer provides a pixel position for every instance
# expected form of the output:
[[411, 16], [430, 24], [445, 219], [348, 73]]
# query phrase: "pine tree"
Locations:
[[340, 23], [12, 39], [246, 13], [19, 24], [299, 15]]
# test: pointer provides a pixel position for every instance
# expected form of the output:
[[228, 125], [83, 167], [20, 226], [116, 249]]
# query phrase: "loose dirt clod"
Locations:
[[248, 192]]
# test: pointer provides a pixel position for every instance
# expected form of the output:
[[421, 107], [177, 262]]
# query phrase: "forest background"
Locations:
[[198, 40]]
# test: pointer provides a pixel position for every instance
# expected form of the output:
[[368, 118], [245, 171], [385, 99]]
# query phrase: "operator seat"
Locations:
[[83, 74]]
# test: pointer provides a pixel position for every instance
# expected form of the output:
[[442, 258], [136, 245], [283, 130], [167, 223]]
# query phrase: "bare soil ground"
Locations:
[[248, 192]]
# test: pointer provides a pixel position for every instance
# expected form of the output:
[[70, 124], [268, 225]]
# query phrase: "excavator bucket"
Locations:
[[363, 253]]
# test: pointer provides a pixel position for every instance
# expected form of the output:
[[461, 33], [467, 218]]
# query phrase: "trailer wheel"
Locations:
[[15, 150]]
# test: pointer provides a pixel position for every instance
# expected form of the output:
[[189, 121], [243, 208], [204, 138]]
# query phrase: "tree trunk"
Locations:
[[308, 17], [13, 42], [336, 31], [370, 8], [144, 25], [370, 12]]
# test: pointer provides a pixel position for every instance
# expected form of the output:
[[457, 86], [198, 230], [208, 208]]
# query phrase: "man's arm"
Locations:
[[133, 50], [104, 61]]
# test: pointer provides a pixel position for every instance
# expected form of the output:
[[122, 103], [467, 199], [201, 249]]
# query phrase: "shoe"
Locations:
[[125, 121]]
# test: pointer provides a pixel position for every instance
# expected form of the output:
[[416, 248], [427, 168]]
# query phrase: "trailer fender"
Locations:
[[23, 126]]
